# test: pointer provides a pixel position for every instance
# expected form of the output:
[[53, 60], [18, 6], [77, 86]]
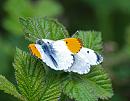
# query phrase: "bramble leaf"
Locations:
[[77, 88], [33, 81], [91, 39], [89, 87], [100, 82], [41, 28], [37, 82], [94, 85], [9, 88]]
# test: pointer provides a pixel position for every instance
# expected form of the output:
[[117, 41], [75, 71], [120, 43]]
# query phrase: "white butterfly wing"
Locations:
[[48, 40], [83, 61], [60, 57], [80, 66], [90, 56], [44, 56]]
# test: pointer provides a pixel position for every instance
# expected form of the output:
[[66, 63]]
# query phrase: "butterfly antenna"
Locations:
[[47, 35], [74, 34]]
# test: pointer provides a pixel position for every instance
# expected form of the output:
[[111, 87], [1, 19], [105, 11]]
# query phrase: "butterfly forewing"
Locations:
[[63, 56]]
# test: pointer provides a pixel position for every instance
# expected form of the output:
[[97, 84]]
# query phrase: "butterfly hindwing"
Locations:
[[79, 66], [84, 59], [90, 56]]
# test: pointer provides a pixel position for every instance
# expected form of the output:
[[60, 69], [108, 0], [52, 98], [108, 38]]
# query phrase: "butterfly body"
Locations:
[[66, 54]]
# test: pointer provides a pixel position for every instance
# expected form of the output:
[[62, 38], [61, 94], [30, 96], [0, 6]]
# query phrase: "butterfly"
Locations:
[[66, 54]]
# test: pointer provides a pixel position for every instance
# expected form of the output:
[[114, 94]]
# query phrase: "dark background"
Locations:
[[111, 17]]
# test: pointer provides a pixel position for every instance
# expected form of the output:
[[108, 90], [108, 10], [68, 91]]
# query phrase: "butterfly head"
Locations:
[[73, 44]]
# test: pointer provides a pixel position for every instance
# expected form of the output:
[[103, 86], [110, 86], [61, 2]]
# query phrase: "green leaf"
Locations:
[[63, 97], [94, 85], [33, 82], [91, 39], [100, 82], [77, 88], [9, 88], [37, 82], [90, 87], [39, 28]]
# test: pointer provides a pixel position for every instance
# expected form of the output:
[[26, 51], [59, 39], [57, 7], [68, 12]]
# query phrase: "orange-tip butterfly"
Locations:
[[66, 54]]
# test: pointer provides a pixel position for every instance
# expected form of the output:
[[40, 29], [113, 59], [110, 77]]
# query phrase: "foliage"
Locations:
[[8, 87], [5, 55], [37, 82], [91, 39], [13, 31], [27, 8], [11, 10], [31, 77], [116, 4], [37, 28], [89, 87]]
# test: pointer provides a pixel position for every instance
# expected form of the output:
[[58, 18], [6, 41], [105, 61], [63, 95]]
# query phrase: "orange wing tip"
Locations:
[[34, 50], [81, 43], [74, 44]]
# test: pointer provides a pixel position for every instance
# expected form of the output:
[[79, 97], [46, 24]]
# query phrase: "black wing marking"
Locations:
[[99, 58], [48, 49], [53, 60]]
